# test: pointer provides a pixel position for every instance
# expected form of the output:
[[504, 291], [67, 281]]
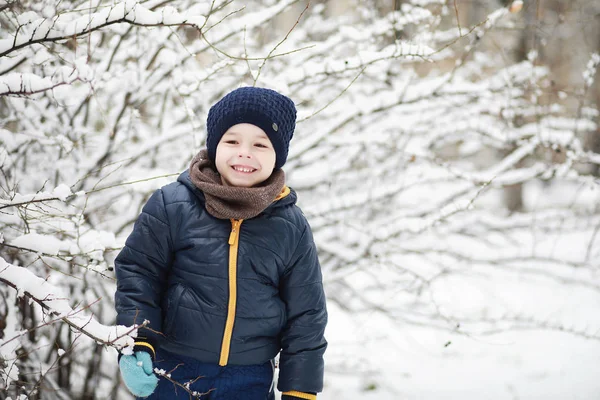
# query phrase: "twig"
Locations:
[[336, 97], [457, 19], [184, 386], [67, 320], [281, 42], [83, 32]]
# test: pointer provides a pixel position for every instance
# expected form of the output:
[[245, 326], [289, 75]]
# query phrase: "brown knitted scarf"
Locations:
[[226, 202]]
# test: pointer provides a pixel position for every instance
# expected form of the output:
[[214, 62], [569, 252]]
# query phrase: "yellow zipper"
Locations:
[[234, 237]]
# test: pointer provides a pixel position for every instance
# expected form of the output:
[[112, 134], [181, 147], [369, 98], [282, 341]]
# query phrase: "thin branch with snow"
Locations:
[[55, 303], [128, 11]]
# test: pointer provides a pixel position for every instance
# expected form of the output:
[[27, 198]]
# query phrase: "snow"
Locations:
[[58, 304], [421, 363], [436, 290], [129, 10], [23, 83], [40, 243], [8, 350], [27, 83], [94, 243], [590, 71], [62, 192]]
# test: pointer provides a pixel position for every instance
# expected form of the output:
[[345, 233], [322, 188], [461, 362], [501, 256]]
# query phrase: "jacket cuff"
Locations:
[[142, 344], [295, 395], [145, 346]]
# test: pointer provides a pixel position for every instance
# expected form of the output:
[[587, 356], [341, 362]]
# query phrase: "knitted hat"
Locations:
[[272, 112]]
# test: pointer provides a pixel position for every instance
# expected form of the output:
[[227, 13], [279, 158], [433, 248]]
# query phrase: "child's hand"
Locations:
[[137, 374]]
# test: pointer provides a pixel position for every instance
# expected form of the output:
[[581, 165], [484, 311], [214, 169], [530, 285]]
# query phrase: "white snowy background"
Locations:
[[448, 173]]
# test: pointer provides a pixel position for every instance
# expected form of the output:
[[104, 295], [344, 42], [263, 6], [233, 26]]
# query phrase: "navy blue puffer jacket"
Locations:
[[226, 291]]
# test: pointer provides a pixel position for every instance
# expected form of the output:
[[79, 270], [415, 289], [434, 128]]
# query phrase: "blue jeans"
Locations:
[[231, 382]]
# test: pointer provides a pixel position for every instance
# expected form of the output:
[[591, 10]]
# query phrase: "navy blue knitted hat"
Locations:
[[272, 112]]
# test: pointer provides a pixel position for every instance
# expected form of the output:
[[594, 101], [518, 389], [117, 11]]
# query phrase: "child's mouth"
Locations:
[[244, 170]]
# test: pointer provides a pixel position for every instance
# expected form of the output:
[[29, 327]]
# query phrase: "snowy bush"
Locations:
[[431, 169]]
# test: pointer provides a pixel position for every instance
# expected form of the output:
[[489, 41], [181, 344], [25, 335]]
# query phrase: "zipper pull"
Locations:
[[234, 231]]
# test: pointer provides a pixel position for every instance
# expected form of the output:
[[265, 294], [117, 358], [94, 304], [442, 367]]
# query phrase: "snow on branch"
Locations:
[[590, 157], [24, 84], [61, 192], [590, 70], [128, 11], [56, 303]]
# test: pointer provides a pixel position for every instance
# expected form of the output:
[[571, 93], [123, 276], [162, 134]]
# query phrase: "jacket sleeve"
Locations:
[[302, 341], [141, 269]]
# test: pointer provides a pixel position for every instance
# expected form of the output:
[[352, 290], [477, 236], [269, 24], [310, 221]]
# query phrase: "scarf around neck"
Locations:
[[232, 202]]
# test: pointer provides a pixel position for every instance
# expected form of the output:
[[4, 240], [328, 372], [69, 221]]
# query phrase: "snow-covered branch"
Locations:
[[56, 304], [16, 84], [414, 138], [43, 30], [61, 193]]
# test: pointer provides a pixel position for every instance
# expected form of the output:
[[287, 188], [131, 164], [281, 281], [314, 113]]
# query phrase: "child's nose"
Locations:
[[244, 155]]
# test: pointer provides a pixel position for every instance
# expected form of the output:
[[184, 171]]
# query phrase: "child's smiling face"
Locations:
[[245, 156]]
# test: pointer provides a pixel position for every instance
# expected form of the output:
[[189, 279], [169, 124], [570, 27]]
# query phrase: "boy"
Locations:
[[223, 266]]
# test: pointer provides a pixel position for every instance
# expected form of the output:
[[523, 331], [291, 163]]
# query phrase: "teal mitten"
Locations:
[[137, 374]]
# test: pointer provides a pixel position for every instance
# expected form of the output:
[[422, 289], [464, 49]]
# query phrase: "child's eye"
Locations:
[[231, 141], [261, 145]]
